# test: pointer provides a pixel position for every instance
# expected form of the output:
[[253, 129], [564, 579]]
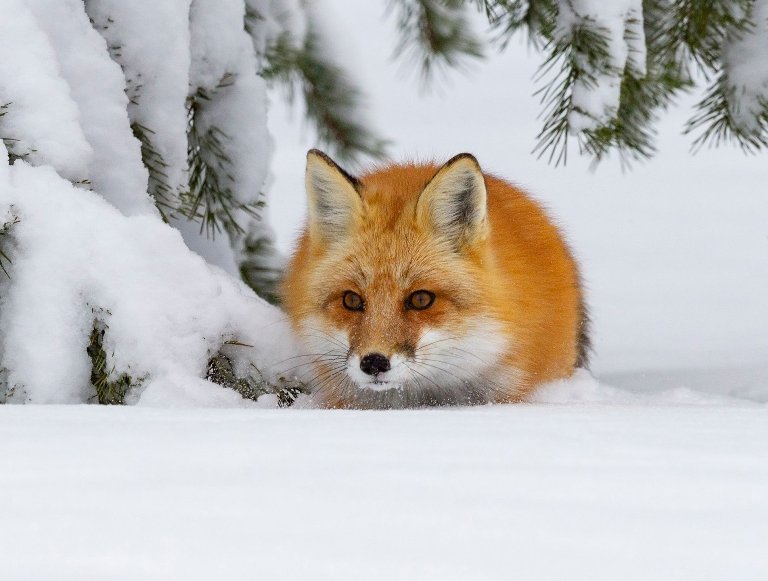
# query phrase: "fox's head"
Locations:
[[389, 286]]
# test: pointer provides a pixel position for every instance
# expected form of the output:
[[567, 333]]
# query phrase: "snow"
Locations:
[[237, 107], [656, 468], [746, 71], [151, 41], [97, 85], [41, 120], [491, 493]]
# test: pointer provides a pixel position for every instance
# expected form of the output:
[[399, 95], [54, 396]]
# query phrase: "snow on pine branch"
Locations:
[[40, 117], [151, 41], [78, 264], [616, 46], [610, 68], [228, 146], [99, 298], [745, 64], [96, 84]]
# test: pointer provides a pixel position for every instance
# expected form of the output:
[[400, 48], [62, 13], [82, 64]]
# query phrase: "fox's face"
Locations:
[[389, 292]]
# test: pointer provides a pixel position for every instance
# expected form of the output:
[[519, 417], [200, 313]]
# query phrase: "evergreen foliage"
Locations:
[[435, 33], [11, 143], [211, 198], [252, 386], [110, 388], [5, 229], [164, 196], [258, 269], [683, 40], [331, 100]]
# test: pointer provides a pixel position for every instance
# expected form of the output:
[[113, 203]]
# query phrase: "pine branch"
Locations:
[[701, 26], [110, 389], [158, 187], [632, 133], [677, 32], [507, 17], [5, 229], [435, 33], [715, 120], [332, 101], [729, 110], [571, 59], [211, 198], [257, 267], [254, 385], [12, 144]]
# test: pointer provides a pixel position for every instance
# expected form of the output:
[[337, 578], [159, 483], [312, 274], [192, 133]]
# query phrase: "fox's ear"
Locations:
[[454, 202], [334, 202]]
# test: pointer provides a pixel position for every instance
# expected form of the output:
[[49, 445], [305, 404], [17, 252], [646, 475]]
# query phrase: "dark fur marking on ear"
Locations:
[[324, 208], [465, 208], [356, 183]]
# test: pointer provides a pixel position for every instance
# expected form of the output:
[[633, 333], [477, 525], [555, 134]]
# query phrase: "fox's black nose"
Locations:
[[374, 363]]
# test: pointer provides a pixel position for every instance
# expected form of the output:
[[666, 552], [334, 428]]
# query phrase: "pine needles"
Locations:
[[211, 197], [254, 385], [332, 102], [5, 229], [161, 192], [258, 269], [12, 144], [678, 34], [110, 389], [434, 33]]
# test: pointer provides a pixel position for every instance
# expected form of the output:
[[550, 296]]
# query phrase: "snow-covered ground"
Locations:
[[659, 470], [507, 492]]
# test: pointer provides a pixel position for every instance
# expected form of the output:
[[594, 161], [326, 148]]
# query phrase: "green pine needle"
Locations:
[[159, 189], [253, 385], [211, 198], [257, 267], [436, 34], [110, 390], [4, 231]]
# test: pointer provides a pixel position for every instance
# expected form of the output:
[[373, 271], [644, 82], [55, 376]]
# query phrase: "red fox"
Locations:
[[418, 285]]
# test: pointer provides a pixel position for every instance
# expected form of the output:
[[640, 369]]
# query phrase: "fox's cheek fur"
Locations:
[[460, 356]]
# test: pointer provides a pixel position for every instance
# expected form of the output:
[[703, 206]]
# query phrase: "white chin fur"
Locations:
[[381, 386]]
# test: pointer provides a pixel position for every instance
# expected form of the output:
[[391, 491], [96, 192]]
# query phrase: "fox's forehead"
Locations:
[[396, 185], [388, 263]]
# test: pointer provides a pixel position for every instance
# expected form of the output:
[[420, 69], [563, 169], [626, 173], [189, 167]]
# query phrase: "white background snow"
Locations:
[[658, 470]]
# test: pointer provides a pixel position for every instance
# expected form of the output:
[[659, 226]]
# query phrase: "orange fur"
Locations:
[[510, 292]]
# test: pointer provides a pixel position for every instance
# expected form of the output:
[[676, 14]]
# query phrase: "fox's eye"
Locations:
[[420, 300], [352, 301]]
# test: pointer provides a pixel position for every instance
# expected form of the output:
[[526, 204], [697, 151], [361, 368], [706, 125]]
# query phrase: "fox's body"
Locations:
[[507, 308]]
